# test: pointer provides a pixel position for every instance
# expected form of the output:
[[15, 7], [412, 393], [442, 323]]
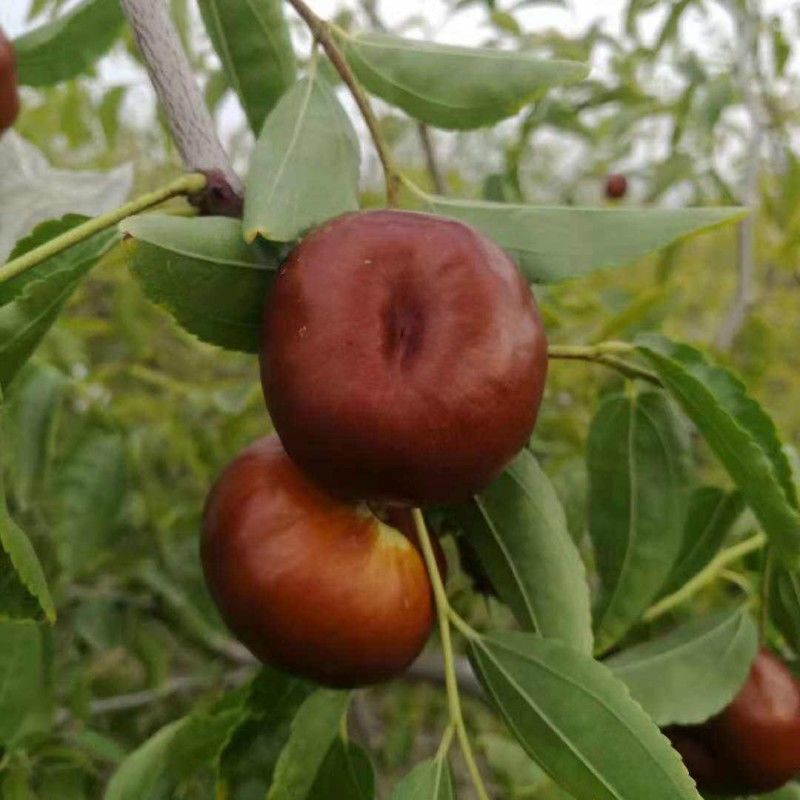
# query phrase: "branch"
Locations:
[[126, 702], [709, 573], [322, 33], [172, 77], [747, 36]]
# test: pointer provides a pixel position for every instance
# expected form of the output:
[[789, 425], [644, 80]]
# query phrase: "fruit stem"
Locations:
[[189, 184], [323, 33], [705, 576], [604, 354], [451, 681]]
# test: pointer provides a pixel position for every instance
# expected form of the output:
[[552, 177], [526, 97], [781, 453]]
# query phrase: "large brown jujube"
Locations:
[[310, 583], [403, 357]]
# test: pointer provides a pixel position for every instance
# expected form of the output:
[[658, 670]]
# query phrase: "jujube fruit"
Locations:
[[753, 745], [9, 97], [616, 186], [403, 357], [309, 583]]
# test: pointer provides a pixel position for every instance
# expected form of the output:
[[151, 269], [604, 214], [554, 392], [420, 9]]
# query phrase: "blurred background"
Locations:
[[696, 102]]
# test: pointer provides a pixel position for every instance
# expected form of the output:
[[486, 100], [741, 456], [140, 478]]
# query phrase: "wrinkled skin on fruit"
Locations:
[[616, 186], [753, 746], [9, 98], [309, 583], [403, 358]]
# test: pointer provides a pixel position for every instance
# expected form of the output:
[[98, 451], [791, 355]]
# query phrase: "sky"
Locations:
[[468, 27]]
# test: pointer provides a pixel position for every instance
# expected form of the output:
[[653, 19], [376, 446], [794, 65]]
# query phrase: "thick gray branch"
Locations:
[[747, 66], [171, 74]]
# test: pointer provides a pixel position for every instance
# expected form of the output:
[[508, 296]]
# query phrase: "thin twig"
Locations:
[[185, 185], [705, 576], [171, 75], [321, 31], [126, 702], [601, 354], [423, 131]]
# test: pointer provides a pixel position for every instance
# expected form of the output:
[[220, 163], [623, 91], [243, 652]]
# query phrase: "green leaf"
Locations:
[[288, 190], [694, 671], [515, 770], [33, 408], [203, 273], [453, 87], [313, 732], [577, 721], [638, 462], [739, 432], [87, 250], [88, 495], [553, 244], [153, 770], [518, 528], [346, 772], [21, 675], [711, 515], [247, 763], [70, 44], [252, 40], [23, 588], [32, 302], [429, 780]]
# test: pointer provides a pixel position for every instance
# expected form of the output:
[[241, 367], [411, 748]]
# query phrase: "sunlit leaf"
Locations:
[[694, 671], [454, 87], [553, 244], [304, 168]]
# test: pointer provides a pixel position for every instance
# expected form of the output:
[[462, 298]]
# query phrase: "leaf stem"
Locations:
[[447, 740], [322, 31], [451, 681], [189, 184], [706, 575]]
